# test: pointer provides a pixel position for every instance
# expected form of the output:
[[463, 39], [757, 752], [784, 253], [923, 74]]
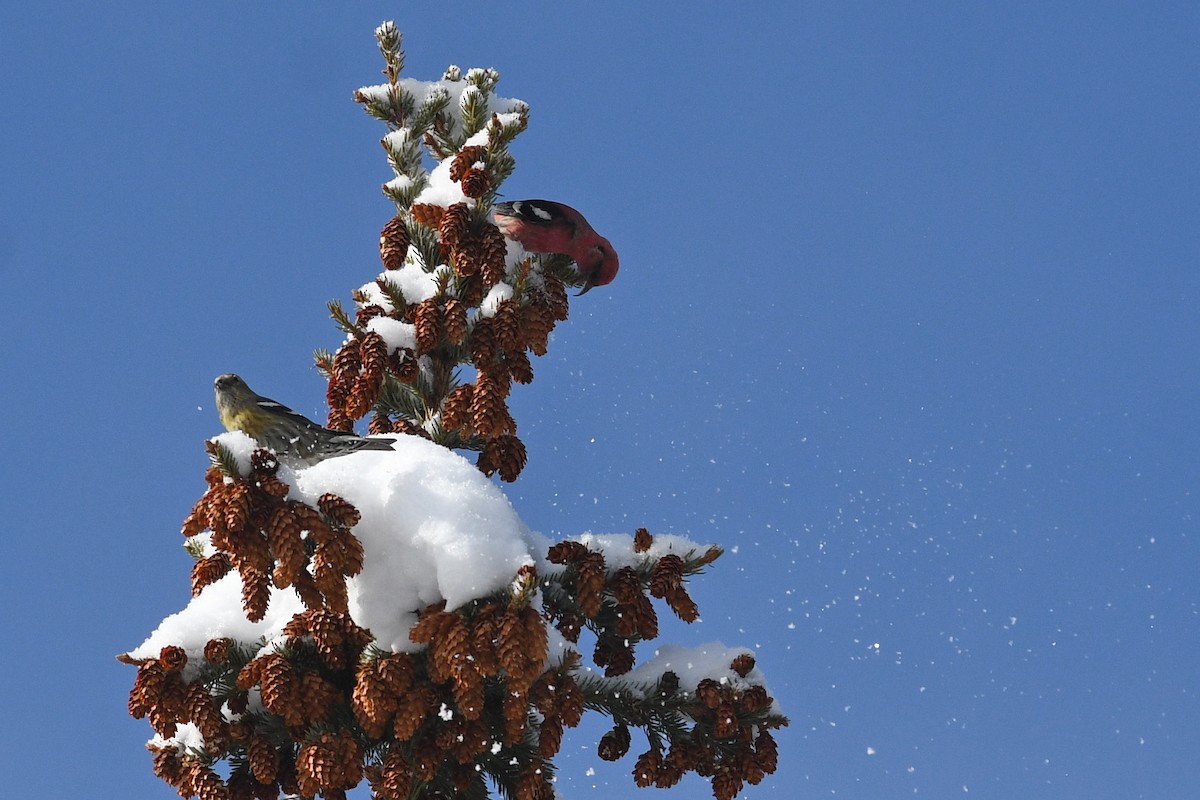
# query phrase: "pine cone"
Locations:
[[283, 536], [536, 324], [471, 289], [216, 651], [511, 457], [319, 696], [483, 342], [279, 693], [263, 758], [404, 365], [473, 738], [567, 552], [533, 783], [465, 159], [614, 744], [396, 775], [516, 716], [456, 412], [368, 313], [429, 325], [570, 625], [571, 698], [167, 764], [412, 710], [708, 692], [476, 182], [428, 214], [371, 702], [468, 257], [550, 735], [590, 584], [683, 605], [519, 367], [202, 712], [393, 243], [256, 592], [646, 769], [494, 252], [455, 223], [380, 423], [338, 510], [614, 654], [204, 782], [369, 382], [427, 757], [556, 296], [726, 783], [743, 664], [766, 751], [147, 688], [489, 411], [667, 576], [725, 722], [209, 570], [635, 614], [455, 321], [346, 365], [448, 649], [642, 540], [754, 699], [507, 325]]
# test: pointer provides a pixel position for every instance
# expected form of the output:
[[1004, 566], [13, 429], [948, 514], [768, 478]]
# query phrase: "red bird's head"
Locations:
[[598, 265]]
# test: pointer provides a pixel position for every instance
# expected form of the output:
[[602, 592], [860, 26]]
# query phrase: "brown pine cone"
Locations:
[[476, 182], [465, 159], [393, 243], [454, 225], [428, 214]]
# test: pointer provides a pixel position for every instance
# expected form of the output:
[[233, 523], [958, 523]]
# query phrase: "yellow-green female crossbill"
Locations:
[[296, 440]]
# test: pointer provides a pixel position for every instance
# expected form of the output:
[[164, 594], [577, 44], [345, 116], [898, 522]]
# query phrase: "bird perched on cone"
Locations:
[[296, 440], [541, 226]]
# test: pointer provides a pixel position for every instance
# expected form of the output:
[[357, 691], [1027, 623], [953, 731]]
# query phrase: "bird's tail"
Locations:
[[377, 444]]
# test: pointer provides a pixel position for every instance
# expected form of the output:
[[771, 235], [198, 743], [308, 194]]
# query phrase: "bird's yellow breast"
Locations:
[[241, 420]]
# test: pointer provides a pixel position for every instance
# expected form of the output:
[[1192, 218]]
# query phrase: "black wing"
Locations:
[[536, 212]]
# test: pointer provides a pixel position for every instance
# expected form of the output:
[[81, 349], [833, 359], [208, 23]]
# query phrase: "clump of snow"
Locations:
[[400, 141], [187, 737], [695, 664], [433, 528], [240, 446], [497, 294], [396, 334], [398, 184], [376, 94], [441, 191], [411, 279], [619, 552]]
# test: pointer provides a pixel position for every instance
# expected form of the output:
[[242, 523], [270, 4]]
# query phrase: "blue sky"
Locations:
[[907, 321]]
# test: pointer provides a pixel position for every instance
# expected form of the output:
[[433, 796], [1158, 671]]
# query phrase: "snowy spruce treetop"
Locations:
[[384, 614]]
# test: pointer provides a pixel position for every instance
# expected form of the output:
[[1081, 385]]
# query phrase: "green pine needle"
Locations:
[[223, 459]]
